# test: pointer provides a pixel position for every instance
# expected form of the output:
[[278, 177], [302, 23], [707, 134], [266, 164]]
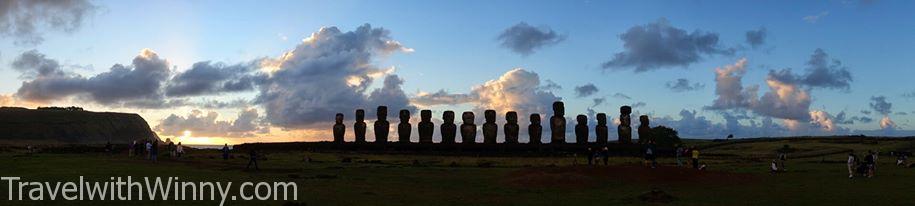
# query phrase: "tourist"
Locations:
[[590, 156], [108, 147], [148, 149], [783, 157], [170, 146], [869, 161], [695, 157], [605, 154], [179, 150], [650, 159], [154, 154], [901, 159], [225, 152], [852, 161], [252, 159], [130, 150], [679, 154], [773, 167]]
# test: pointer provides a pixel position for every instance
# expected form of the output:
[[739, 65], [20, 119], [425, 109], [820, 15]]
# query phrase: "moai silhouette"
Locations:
[[449, 130], [645, 130], [404, 128], [535, 131], [624, 130], [511, 127], [339, 128], [558, 123], [382, 126], [468, 129], [425, 126], [581, 129], [601, 129], [490, 128], [359, 127]]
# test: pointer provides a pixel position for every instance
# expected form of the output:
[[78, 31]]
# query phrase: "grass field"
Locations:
[[737, 175]]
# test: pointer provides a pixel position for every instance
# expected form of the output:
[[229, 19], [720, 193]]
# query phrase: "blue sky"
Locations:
[[456, 48]]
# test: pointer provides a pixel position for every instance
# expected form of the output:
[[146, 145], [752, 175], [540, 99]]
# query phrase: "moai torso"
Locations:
[[601, 129], [468, 129], [511, 127], [382, 126], [581, 129], [359, 127], [339, 128], [645, 130], [449, 130], [535, 130], [425, 126], [558, 123], [624, 130], [404, 128], [490, 128]]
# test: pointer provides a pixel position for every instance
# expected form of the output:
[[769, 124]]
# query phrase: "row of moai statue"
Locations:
[[490, 129]]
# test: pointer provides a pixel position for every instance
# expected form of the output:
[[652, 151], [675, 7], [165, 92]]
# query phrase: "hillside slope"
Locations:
[[20, 124]]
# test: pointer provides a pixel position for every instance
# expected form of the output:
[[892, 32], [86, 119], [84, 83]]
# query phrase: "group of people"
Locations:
[[692, 153], [596, 155], [650, 154], [150, 149], [866, 168]]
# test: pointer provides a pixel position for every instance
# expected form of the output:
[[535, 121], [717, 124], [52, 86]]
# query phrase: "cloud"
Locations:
[[909, 95], [756, 38], [879, 104], [902, 113], [621, 96], [638, 104], [729, 88], [783, 100], [516, 90], [136, 84], [887, 124], [524, 39], [330, 72], [683, 85], [245, 125], [658, 45], [585, 90], [820, 73], [815, 18], [213, 78], [24, 20]]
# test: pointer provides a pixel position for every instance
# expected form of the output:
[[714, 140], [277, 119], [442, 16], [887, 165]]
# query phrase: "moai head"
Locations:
[[559, 109], [360, 115], [448, 116], [425, 115], [535, 118], [582, 119], [404, 115], [601, 119], [467, 117], [644, 120], [382, 113], [625, 110], [511, 117], [490, 115], [339, 118]]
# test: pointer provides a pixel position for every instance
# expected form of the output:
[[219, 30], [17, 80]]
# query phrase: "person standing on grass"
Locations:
[[155, 151], [852, 164], [252, 159], [695, 157], [869, 161], [679, 154], [225, 152], [590, 155], [148, 149], [605, 154], [773, 167], [179, 150]]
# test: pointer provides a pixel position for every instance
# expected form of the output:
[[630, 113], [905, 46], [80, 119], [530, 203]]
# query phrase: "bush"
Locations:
[[665, 136]]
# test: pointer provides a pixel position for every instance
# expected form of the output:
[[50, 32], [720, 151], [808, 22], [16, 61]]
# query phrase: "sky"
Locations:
[[213, 72]]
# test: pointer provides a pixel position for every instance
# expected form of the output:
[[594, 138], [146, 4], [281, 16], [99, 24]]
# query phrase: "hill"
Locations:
[[71, 125]]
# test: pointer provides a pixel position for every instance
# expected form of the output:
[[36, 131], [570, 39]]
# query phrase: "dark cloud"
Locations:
[[33, 64], [213, 78], [683, 85], [137, 84], [902, 113], [621, 96], [330, 72], [638, 104], [867, 112], [246, 124], [524, 39], [658, 45], [24, 20], [756, 38], [879, 104], [214, 104], [820, 73], [441, 97], [862, 119], [585, 90], [909, 95]]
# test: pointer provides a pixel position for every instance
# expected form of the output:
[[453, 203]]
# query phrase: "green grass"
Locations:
[[373, 179]]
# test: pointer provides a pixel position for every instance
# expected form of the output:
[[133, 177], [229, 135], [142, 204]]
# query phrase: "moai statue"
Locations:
[[581, 129], [382, 126], [449, 130], [558, 123], [645, 130], [624, 130], [601, 128], [535, 131], [490, 128], [511, 127], [468, 129], [359, 127], [425, 126], [339, 128], [404, 128]]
